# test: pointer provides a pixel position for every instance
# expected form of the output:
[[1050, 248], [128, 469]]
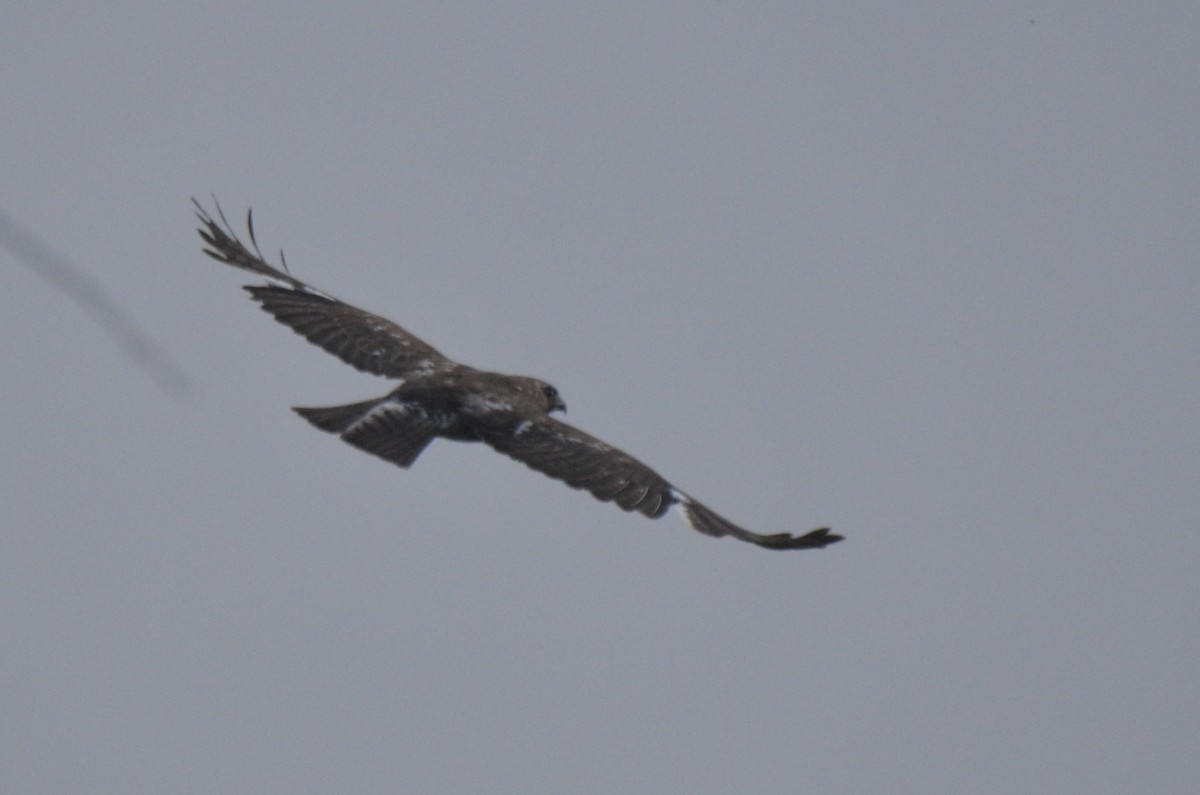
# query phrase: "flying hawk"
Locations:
[[439, 397]]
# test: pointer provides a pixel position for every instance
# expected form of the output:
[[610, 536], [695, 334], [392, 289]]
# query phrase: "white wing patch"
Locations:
[[567, 438], [426, 367], [683, 507], [384, 408], [488, 404]]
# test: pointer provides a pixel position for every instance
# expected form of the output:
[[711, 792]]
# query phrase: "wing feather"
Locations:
[[708, 521], [584, 462], [360, 338]]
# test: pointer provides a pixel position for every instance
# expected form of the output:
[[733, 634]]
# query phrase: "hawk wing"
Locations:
[[359, 338], [584, 462]]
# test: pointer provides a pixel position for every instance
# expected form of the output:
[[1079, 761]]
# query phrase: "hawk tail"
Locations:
[[337, 419], [393, 430]]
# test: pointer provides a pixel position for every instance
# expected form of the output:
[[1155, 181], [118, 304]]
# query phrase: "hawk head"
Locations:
[[536, 395], [554, 401]]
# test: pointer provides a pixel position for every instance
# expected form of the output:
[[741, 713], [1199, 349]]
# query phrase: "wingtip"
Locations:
[[822, 537], [815, 539], [709, 522]]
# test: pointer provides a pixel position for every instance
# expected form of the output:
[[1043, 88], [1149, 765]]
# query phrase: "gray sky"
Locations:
[[928, 275]]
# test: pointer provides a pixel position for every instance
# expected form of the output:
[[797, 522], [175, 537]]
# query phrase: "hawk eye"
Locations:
[[549, 391]]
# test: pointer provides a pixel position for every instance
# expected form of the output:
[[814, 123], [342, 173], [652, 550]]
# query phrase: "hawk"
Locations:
[[440, 398]]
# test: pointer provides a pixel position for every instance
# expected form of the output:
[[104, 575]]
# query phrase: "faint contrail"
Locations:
[[91, 296]]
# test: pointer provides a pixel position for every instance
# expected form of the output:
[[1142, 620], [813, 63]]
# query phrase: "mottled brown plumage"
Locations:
[[440, 398]]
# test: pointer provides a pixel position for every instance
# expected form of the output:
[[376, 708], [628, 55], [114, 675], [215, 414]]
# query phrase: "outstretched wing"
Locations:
[[359, 338], [584, 462]]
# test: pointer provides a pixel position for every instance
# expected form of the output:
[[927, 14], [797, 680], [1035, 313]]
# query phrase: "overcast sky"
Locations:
[[926, 274]]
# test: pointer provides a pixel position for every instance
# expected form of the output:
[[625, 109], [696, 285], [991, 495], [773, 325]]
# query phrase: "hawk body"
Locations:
[[441, 398]]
